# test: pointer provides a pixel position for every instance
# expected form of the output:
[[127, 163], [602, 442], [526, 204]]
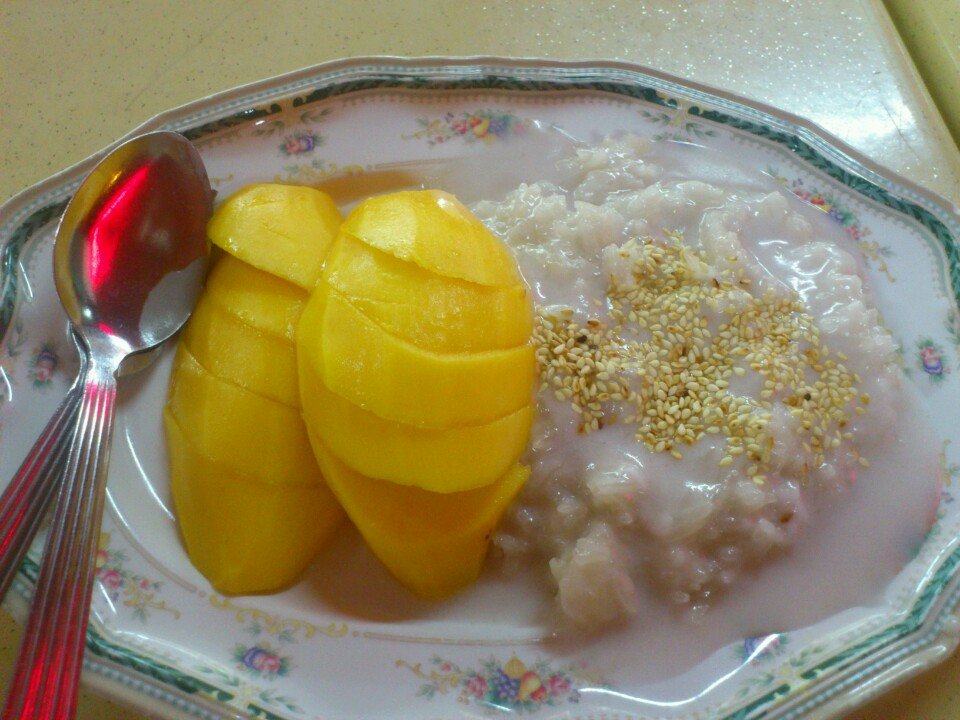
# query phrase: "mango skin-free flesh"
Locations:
[[416, 383], [435, 313], [251, 502], [231, 349], [444, 461], [402, 366], [244, 535], [433, 543], [284, 230], [362, 362], [432, 229], [262, 301]]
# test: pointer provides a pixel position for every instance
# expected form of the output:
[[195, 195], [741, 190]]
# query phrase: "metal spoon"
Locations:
[[26, 497], [24, 501], [129, 261]]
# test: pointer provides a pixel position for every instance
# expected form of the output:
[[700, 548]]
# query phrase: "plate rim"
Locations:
[[505, 62], [39, 203]]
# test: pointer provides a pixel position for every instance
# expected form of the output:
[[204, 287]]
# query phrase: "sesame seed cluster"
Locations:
[[678, 333]]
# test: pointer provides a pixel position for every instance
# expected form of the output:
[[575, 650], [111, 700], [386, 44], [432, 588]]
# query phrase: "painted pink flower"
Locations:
[[263, 661], [558, 685], [111, 579], [932, 362], [144, 584], [44, 363], [268, 664], [476, 686]]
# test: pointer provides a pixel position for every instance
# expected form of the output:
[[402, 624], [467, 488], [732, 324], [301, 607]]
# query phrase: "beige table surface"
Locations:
[[931, 31], [76, 75]]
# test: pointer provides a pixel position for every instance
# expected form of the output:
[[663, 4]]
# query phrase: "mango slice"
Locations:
[[243, 535], [250, 498], [434, 230], [442, 461], [232, 350], [284, 230], [362, 362], [263, 301], [246, 432], [427, 310], [433, 543]]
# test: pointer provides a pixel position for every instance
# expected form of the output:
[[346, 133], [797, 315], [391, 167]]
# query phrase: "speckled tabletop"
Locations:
[[76, 75]]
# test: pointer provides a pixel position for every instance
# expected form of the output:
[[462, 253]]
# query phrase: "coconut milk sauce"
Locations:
[[852, 543], [854, 539]]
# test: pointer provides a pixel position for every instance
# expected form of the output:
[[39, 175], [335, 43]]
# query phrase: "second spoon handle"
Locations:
[[47, 673], [27, 496]]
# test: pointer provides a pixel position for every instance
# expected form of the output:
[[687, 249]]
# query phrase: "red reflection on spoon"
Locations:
[[109, 226]]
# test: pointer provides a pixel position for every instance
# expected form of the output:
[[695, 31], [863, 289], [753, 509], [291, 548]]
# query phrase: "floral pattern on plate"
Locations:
[[43, 365], [262, 661], [511, 686], [126, 587], [487, 125], [930, 358], [834, 207]]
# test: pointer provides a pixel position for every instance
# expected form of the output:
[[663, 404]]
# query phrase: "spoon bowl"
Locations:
[[131, 248], [129, 261]]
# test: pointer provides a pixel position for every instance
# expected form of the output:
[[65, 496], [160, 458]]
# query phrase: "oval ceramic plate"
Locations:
[[345, 642]]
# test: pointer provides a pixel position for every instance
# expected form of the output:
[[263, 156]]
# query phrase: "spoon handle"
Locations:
[[47, 673], [27, 496]]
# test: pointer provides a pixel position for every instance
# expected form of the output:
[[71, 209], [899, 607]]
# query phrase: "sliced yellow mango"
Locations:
[[232, 350], [243, 535], [433, 543], [248, 433], [263, 301], [427, 310], [434, 230], [443, 461], [284, 230], [362, 362]]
